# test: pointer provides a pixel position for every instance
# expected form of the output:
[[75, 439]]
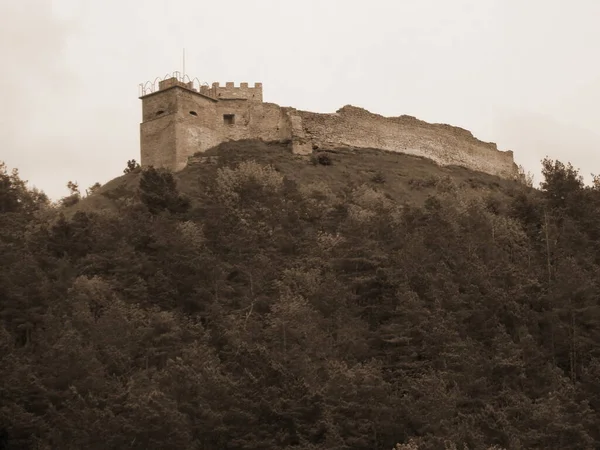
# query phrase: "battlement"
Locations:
[[228, 92], [231, 92]]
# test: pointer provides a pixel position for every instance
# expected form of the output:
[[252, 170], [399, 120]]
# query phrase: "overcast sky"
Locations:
[[523, 74]]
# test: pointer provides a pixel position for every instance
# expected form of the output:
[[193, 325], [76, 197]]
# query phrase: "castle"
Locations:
[[182, 118]]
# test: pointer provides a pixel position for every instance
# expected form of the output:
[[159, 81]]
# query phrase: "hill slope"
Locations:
[[261, 300], [404, 178]]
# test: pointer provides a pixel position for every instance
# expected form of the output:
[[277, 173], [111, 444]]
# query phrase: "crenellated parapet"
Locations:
[[232, 92], [228, 92]]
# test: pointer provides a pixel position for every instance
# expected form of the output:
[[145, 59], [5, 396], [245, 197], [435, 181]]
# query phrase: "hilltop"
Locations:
[[402, 177], [256, 299]]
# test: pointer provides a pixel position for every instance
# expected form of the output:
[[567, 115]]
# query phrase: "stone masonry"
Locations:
[[179, 120]]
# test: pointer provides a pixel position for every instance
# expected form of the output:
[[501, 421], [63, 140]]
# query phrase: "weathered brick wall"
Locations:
[[155, 105], [240, 110], [197, 126], [157, 142], [269, 122], [266, 121], [177, 123], [447, 145], [205, 128]]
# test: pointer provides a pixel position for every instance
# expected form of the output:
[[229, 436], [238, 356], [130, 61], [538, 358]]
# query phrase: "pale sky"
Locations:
[[522, 73]]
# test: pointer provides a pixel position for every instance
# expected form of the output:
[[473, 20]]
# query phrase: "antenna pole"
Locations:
[[183, 75]]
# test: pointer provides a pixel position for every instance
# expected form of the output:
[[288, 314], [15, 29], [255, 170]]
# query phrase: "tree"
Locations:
[[158, 192], [524, 177], [132, 167], [14, 194], [561, 182], [93, 188], [74, 195], [596, 182], [73, 188]]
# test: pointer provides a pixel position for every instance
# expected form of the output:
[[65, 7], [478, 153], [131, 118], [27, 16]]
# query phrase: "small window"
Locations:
[[193, 113], [158, 113], [229, 119]]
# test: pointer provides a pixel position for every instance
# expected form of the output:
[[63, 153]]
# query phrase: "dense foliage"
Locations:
[[281, 315]]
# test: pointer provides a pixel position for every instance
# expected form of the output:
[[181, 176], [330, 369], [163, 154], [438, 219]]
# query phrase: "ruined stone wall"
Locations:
[[265, 121], [269, 122], [444, 144], [179, 122]]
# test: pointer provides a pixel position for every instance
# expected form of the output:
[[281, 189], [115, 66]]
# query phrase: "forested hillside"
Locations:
[[259, 300]]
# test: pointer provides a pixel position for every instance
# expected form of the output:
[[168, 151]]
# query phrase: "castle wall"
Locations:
[[265, 121], [444, 144], [157, 141], [178, 122], [269, 122]]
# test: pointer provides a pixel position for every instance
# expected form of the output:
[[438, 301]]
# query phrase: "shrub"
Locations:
[[132, 166], [378, 178], [247, 176], [322, 159]]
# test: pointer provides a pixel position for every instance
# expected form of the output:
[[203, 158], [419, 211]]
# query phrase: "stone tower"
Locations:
[[179, 120]]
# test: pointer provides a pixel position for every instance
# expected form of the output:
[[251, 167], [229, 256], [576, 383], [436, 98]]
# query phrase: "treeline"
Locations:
[[277, 315]]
